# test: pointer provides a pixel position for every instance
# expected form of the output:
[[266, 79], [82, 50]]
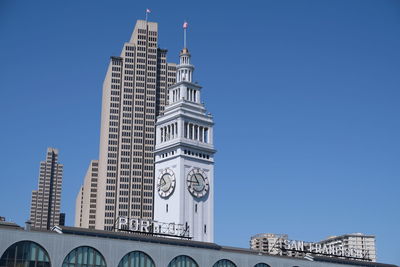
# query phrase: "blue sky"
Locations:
[[305, 96]]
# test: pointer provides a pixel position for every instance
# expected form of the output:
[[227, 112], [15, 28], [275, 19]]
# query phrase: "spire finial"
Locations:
[[185, 26]]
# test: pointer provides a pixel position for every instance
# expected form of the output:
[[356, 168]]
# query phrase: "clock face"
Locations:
[[197, 183], [166, 183]]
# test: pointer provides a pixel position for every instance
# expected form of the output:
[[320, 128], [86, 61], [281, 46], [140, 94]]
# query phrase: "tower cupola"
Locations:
[[184, 89], [184, 69]]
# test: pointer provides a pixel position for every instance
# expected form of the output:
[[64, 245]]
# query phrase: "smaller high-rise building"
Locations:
[[268, 243], [354, 246], [46, 201], [86, 200], [364, 244]]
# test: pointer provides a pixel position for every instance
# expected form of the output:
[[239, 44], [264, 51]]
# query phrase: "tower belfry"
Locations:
[[185, 69], [184, 157]]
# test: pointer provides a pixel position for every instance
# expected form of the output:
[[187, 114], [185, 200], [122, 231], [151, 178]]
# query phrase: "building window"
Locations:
[[84, 257], [205, 135], [224, 263], [136, 259], [25, 253], [183, 261]]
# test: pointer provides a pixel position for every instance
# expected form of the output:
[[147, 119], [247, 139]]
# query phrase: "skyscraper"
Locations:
[[86, 200], [46, 201], [134, 94]]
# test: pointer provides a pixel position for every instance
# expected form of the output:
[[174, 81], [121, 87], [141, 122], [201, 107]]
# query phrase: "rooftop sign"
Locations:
[[337, 250], [136, 225]]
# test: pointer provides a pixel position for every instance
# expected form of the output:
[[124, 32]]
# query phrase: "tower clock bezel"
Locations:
[[193, 177], [164, 193]]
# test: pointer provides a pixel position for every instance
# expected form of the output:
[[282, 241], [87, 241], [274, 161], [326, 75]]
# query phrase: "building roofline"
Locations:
[[205, 245], [137, 237], [346, 235], [68, 230]]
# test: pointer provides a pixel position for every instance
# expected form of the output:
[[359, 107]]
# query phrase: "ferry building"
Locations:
[[77, 247]]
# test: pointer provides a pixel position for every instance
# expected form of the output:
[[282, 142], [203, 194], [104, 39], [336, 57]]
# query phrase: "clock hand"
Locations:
[[162, 182], [197, 180]]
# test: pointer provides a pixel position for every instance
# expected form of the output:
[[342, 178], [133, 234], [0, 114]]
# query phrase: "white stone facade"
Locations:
[[185, 150]]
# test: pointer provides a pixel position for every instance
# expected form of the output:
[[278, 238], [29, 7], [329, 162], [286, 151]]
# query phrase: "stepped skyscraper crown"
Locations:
[[46, 201]]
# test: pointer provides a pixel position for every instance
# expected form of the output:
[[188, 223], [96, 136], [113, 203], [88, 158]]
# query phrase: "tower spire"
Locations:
[[184, 68]]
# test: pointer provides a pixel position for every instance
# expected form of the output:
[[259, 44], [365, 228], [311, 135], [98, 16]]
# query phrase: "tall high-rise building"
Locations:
[[86, 200], [46, 201], [134, 94]]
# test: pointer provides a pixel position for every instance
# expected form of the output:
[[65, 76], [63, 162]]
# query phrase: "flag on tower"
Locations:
[[185, 25]]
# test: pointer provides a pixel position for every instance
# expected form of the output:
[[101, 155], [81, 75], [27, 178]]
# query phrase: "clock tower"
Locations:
[[184, 158]]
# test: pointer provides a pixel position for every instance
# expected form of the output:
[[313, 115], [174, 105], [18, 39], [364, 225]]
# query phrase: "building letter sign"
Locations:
[[337, 250], [152, 227]]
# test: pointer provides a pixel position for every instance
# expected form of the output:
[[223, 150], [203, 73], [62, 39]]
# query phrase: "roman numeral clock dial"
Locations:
[[197, 183]]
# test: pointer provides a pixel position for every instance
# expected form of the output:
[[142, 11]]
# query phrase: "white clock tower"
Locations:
[[184, 158]]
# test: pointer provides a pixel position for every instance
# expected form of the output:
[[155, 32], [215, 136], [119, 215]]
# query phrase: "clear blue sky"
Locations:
[[305, 96]]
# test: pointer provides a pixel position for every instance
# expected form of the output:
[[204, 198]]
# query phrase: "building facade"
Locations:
[[134, 93], [70, 247], [268, 243], [357, 241], [78, 208], [184, 158], [46, 201], [86, 200], [356, 246]]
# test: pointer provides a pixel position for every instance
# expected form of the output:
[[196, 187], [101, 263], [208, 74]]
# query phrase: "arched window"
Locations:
[[224, 263], [136, 259], [84, 257], [261, 265], [25, 253], [183, 261]]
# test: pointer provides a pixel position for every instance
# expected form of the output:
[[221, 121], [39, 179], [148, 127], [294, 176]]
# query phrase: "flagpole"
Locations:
[[147, 13], [184, 38]]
